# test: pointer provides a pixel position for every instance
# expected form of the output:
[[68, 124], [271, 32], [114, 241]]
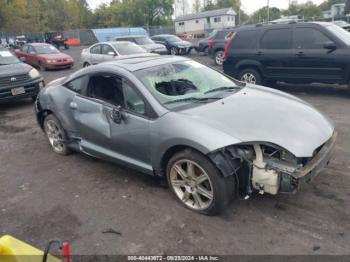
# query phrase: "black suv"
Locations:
[[297, 53]]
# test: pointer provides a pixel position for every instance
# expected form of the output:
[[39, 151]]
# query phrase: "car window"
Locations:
[[107, 49], [75, 85], [244, 40], [24, 49], [277, 39], [134, 101], [309, 38], [96, 49], [31, 49]]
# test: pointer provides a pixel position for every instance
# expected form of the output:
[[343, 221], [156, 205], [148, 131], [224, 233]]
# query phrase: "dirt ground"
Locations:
[[44, 196]]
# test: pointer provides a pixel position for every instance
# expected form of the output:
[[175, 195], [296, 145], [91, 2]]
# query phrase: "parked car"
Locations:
[[20, 40], [145, 42], [17, 80], [44, 56], [109, 51], [56, 39], [203, 45], [216, 46], [172, 117], [174, 44], [342, 24], [296, 53]]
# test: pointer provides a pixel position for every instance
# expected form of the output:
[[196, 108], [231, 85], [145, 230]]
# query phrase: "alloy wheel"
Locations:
[[55, 136], [249, 78], [219, 58], [191, 184]]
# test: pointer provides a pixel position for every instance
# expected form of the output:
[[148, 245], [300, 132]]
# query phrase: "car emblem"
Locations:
[[13, 79]]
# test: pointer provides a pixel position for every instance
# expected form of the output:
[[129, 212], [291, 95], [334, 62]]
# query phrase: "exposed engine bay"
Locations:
[[269, 168]]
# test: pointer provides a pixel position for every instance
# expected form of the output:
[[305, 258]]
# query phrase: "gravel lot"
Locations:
[[45, 196]]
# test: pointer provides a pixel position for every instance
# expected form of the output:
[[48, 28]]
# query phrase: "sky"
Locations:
[[249, 6]]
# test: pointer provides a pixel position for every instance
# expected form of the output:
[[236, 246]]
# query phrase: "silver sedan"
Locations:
[[109, 51], [210, 136]]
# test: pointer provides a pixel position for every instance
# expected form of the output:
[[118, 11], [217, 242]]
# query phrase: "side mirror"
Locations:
[[118, 115], [111, 53], [330, 46]]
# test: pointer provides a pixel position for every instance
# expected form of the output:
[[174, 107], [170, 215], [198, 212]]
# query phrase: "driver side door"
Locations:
[[112, 121]]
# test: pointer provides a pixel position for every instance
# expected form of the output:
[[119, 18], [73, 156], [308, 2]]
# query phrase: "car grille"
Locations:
[[16, 80]]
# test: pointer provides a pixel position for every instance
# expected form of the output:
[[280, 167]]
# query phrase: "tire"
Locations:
[[66, 47], [42, 67], [214, 191], [252, 74], [174, 51], [219, 57], [86, 64], [56, 134]]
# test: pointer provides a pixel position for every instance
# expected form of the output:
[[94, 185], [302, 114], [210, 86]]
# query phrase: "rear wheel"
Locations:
[[250, 76], [198, 184], [86, 64], [56, 135], [219, 57]]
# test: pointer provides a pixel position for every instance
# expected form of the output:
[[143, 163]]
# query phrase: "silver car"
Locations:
[[145, 42], [211, 137], [109, 51]]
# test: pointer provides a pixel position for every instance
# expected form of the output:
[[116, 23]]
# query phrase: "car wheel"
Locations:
[[250, 76], [198, 184], [66, 47], [219, 57], [86, 64], [41, 66], [174, 51], [56, 135]]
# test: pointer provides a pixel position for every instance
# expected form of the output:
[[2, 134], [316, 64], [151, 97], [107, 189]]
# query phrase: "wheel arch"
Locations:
[[250, 64]]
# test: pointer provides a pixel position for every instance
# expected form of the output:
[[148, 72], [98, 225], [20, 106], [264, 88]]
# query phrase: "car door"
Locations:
[[31, 57], [101, 134], [275, 53], [109, 54], [96, 54], [162, 41], [22, 53], [313, 62]]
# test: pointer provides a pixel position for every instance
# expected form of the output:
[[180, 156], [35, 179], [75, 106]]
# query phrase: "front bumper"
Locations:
[[321, 160], [31, 89], [59, 65]]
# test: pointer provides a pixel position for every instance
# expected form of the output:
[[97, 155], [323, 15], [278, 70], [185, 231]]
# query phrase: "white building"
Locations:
[[205, 21]]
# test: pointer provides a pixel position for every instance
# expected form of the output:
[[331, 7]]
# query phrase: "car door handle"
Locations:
[[73, 105]]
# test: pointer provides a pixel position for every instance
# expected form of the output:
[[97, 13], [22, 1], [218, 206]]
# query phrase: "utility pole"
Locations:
[[268, 11]]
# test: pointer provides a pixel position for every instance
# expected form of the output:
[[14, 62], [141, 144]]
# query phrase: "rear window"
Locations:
[[244, 40], [277, 39]]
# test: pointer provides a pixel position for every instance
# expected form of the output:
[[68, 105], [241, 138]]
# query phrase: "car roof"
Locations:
[[279, 25], [130, 36], [139, 63], [113, 42]]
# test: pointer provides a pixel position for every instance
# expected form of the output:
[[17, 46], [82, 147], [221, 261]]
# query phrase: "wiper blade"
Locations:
[[224, 88], [193, 99]]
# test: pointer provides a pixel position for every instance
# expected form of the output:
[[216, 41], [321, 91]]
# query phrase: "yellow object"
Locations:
[[14, 250]]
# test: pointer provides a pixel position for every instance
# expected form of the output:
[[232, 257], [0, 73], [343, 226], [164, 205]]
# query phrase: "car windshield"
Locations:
[[6, 57], [339, 32], [173, 39], [143, 41], [46, 49], [186, 84], [128, 48]]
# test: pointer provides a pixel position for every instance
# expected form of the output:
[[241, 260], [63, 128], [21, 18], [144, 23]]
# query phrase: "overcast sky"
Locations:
[[248, 6]]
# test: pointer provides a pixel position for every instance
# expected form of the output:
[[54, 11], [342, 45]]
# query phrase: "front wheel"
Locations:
[[56, 135], [174, 51], [250, 76], [198, 184]]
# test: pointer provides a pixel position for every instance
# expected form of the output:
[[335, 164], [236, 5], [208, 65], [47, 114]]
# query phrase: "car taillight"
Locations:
[[211, 43], [228, 43]]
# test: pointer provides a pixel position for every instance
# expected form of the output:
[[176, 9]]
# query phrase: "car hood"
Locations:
[[55, 56], [260, 114], [136, 56], [150, 47], [182, 43], [14, 69]]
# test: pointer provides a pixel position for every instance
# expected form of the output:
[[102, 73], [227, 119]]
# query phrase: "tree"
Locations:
[[197, 6], [210, 6], [347, 7]]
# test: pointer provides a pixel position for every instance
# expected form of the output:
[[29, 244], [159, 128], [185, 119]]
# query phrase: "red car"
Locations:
[[44, 56]]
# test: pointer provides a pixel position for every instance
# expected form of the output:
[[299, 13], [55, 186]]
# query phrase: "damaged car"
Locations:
[[210, 136]]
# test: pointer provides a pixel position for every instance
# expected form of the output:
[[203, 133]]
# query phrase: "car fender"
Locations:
[[246, 63]]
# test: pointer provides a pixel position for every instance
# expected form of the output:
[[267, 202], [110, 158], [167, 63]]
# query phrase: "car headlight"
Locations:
[[34, 73]]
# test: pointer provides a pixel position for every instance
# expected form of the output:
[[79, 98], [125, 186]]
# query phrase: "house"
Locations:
[[205, 21], [336, 12]]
